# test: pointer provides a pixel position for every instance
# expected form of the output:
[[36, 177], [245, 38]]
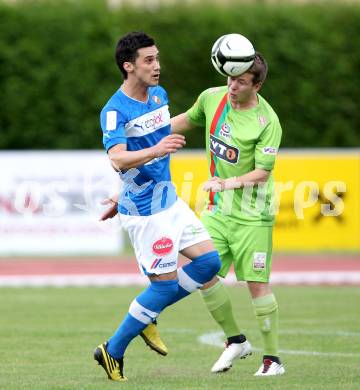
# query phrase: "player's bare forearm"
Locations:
[[121, 158], [249, 179], [124, 159], [180, 123], [217, 184]]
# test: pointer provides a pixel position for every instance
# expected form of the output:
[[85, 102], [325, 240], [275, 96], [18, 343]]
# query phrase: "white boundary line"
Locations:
[[216, 339], [132, 279]]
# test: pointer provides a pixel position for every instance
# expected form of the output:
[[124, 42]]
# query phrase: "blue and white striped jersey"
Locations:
[[147, 189]]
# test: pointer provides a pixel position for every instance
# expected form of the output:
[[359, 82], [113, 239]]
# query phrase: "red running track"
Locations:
[[126, 265], [123, 271]]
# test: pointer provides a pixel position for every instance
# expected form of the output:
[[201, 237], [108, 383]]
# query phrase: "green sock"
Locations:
[[218, 303], [267, 314]]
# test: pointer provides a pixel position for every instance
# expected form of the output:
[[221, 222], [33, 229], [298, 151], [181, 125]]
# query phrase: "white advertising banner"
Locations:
[[50, 203]]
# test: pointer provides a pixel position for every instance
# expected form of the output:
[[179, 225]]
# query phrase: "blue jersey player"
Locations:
[[137, 137]]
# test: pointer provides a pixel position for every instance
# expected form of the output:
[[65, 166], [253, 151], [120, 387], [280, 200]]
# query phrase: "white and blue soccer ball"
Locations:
[[232, 55]]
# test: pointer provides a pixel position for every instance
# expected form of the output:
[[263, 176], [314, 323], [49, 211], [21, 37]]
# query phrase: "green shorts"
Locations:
[[248, 247]]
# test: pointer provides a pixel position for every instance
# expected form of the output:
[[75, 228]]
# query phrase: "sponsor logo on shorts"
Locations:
[[196, 229], [163, 246], [225, 131], [224, 151], [159, 264], [269, 150], [259, 261]]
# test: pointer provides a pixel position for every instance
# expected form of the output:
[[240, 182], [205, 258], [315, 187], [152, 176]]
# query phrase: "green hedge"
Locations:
[[57, 67]]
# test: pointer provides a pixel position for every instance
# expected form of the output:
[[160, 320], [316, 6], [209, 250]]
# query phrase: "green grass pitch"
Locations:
[[47, 336]]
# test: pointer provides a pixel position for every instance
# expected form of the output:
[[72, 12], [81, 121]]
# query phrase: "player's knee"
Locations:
[[215, 263], [210, 263]]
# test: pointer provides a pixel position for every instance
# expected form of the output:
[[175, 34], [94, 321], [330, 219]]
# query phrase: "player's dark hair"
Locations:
[[258, 69], [127, 48]]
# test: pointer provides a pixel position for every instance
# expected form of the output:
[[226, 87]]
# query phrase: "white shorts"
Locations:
[[157, 239]]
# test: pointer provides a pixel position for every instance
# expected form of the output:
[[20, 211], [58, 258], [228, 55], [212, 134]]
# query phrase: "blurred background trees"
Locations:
[[57, 66]]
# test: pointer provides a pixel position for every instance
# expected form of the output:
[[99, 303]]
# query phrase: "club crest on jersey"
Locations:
[[225, 131], [156, 99], [224, 151], [163, 246]]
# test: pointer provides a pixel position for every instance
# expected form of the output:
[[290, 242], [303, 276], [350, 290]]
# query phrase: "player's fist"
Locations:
[[169, 144], [111, 211], [215, 184]]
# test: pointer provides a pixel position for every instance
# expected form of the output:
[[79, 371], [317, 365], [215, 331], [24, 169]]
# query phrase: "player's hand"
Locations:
[[169, 144], [111, 211], [215, 184]]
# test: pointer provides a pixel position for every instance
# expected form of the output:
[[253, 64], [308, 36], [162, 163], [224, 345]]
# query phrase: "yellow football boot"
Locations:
[[152, 338], [113, 368]]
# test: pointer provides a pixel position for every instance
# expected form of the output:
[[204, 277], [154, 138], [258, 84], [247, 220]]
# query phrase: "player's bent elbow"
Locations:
[[117, 163]]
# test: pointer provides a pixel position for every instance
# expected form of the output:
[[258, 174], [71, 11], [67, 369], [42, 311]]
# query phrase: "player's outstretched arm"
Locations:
[[180, 123], [120, 158]]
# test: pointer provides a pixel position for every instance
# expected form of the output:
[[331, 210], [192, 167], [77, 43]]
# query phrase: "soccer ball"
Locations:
[[232, 55]]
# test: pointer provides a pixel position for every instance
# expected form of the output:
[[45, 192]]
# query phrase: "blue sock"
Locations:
[[193, 275], [143, 310]]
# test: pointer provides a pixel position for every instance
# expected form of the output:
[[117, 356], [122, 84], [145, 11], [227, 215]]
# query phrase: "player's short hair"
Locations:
[[127, 48], [258, 69]]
